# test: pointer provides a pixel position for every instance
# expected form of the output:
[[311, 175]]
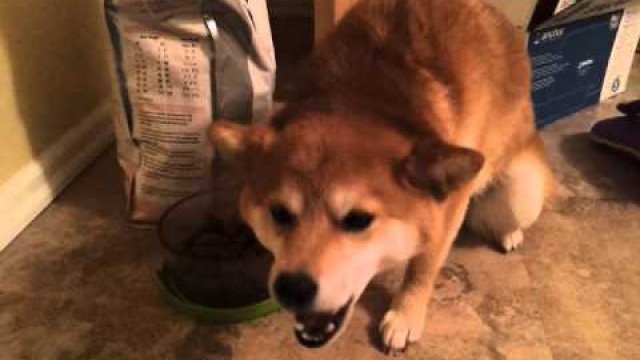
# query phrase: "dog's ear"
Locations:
[[441, 168], [232, 140]]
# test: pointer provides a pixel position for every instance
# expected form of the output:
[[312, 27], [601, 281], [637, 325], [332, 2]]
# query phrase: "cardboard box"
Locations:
[[582, 56], [546, 9]]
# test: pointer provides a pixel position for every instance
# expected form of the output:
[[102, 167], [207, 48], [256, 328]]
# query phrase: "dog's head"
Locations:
[[337, 201]]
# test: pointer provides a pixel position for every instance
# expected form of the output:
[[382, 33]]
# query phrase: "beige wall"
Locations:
[[328, 12], [518, 11], [53, 73]]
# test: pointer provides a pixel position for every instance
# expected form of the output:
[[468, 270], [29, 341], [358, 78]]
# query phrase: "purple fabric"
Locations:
[[623, 133], [631, 108]]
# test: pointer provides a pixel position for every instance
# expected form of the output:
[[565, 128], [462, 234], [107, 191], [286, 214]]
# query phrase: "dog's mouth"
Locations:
[[316, 329]]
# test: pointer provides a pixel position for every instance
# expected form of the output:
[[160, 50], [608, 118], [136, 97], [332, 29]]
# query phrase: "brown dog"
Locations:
[[411, 115]]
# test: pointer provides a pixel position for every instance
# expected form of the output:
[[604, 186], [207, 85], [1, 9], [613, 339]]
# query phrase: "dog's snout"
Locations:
[[295, 290]]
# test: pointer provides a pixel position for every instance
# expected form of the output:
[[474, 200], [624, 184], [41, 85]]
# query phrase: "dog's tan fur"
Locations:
[[412, 110]]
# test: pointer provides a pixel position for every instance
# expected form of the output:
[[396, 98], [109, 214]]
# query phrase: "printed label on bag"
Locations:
[[170, 86]]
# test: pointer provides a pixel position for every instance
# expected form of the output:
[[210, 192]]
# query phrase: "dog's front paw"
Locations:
[[399, 328]]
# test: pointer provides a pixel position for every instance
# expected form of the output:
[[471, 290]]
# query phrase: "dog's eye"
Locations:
[[282, 216], [357, 221]]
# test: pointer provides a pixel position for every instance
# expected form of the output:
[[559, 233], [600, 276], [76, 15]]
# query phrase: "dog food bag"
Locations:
[[179, 64]]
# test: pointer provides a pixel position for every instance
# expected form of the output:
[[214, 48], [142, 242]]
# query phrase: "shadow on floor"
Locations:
[[467, 239], [613, 174], [208, 342], [375, 301], [101, 192]]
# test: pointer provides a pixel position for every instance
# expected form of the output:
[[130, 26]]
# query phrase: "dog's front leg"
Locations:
[[404, 321]]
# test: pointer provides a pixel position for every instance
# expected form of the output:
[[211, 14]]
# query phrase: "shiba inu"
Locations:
[[411, 118]]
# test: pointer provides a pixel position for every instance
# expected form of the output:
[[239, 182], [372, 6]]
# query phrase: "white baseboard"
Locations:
[[33, 188]]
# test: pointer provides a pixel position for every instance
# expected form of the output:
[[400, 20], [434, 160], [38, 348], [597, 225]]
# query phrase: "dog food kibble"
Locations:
[[224, 266]]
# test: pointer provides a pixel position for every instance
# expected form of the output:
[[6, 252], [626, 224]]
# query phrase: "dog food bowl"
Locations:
[[215, 269]]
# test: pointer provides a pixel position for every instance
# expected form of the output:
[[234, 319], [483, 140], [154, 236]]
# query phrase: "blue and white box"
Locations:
[[582, 56]]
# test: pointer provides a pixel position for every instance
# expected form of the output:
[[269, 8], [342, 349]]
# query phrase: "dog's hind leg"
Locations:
[[515, 200]]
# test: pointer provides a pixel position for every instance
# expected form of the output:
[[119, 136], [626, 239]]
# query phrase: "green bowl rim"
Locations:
[[208, 314]]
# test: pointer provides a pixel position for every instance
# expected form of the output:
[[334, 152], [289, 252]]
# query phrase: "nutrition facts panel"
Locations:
[[190, 71], [160, 70], [171, 93]]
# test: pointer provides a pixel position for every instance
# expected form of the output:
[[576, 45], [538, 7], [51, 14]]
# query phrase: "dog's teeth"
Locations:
[[309, 337], [299, 326], [331, 327]]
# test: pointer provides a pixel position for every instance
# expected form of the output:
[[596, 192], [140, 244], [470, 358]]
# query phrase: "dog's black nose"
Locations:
[[295, 290]]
